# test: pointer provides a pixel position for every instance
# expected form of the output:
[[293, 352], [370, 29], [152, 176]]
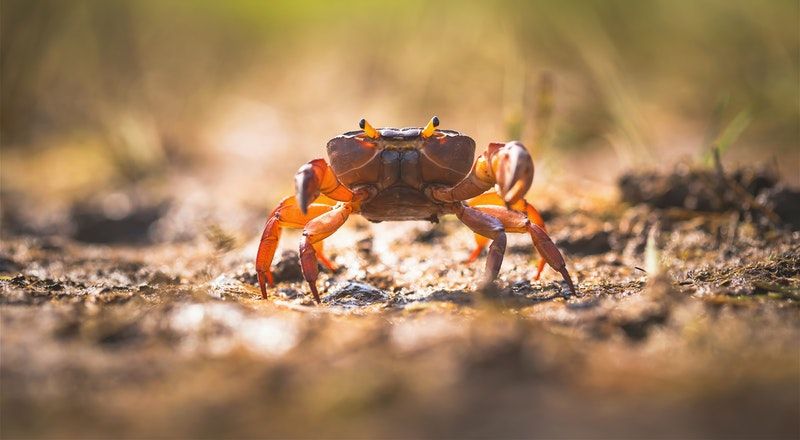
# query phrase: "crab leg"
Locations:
[[514, 221], [521, 205], [486, 226], [315, 231], [509, 166], [286, 215], [317, 177]]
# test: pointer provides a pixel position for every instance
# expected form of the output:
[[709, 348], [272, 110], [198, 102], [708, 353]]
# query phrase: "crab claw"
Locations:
[[513, 170], [307, 186]]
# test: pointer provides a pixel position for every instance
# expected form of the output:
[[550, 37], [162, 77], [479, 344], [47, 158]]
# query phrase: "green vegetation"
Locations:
[[625, 72]]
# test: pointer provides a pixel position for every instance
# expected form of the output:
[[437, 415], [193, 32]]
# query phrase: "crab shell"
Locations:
[[400, 163]]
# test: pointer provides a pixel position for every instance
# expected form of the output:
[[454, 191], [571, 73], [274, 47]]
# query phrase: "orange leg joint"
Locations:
[[286, 215]]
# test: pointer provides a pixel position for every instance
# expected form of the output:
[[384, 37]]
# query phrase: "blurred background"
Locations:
[[166, 113], [145, 141]]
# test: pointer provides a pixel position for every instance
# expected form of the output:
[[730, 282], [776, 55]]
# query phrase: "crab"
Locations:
[[417, 173]]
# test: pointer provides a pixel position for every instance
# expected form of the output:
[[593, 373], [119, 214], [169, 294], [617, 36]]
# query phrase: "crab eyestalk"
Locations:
[[513, 171], [369, 130], [430, 128]]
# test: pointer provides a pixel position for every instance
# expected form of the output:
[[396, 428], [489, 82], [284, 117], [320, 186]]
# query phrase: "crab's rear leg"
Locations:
[[514, 221], [314, 232], [521, 205], [286, 215]]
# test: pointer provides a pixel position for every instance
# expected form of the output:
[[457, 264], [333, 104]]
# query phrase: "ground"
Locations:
[[685, 325]]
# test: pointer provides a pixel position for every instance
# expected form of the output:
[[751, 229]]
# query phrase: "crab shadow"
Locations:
[[358, 294]]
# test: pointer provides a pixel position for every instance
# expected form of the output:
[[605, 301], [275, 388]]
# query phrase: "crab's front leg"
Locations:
[[509, 166], [514, 221], [286, 215], [314, 232], [521, 205], [490, 227]]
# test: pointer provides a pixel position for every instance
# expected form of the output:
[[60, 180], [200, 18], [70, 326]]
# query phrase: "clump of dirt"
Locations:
[[783, 201], [699, 189], [686, 317], [753, 190]]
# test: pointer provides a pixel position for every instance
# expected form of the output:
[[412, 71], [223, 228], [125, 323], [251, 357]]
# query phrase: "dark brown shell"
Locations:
[[443, 159]]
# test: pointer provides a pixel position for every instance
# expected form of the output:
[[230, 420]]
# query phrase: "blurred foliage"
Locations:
[[142, 81], [729, 135]]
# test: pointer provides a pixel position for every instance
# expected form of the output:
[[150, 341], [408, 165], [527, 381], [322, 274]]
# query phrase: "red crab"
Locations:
[[410, 174]]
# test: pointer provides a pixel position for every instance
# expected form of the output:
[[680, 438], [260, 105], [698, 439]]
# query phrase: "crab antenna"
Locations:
[[369, 130], [431, 127]]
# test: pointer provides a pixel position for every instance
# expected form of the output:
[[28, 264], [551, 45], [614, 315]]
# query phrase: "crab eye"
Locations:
[[369, 130], [431, 127]]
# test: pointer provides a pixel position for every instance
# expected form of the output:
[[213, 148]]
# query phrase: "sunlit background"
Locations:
[[209, 107], [145, 141]]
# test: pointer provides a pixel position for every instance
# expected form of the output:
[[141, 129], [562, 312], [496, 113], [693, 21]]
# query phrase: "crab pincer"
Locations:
[[315, 178], [513, 169], [306, 183]]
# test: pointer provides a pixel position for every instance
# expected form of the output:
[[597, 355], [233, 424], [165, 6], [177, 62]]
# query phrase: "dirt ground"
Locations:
[[686, 326]]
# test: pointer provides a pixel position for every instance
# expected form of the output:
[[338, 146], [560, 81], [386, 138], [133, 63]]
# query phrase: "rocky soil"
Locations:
[[686, 325]]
